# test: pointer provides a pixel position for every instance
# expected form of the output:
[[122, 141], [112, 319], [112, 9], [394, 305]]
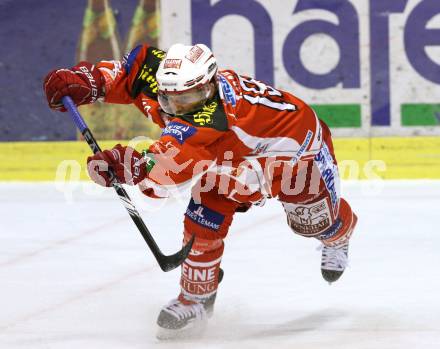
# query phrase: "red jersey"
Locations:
[[248, 132]]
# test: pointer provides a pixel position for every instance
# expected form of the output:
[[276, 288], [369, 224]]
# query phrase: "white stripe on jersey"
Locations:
[[268, 103], [317, 140], [267, 145]]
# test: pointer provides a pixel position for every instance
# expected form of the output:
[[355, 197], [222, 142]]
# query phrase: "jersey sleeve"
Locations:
[[133, 80], [183, 153]]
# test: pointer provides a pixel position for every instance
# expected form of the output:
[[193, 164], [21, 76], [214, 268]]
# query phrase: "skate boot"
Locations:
[[333, 261], [183, 317]]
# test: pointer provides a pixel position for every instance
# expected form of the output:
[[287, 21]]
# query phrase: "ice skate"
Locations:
[[333, 262], [184, 318]]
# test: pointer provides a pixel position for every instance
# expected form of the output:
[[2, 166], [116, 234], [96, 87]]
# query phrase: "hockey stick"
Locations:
[[166, 263]]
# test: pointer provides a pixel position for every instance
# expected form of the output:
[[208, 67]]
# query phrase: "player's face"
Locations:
[[186, 102]]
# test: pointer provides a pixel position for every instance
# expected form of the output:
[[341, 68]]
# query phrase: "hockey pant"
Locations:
[[316, 211]]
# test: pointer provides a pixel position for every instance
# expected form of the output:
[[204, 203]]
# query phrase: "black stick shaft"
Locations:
[[166, 262]]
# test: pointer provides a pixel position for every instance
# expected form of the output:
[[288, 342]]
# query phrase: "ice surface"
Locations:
[[75, 273]]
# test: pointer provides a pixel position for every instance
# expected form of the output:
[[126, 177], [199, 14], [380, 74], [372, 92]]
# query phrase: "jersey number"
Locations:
[[257, 92]]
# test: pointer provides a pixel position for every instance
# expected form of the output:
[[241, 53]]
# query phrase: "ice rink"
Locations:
[[76, 273]]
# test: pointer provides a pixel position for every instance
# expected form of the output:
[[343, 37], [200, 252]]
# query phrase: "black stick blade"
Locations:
[[171, 262]]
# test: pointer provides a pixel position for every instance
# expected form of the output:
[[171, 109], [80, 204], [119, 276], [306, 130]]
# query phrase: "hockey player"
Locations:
[[238, 139]]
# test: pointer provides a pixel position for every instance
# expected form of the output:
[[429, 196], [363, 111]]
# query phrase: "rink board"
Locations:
[[404, 158]]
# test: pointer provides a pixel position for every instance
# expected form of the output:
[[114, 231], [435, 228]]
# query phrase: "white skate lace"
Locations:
[[334, 258], [182, 311]]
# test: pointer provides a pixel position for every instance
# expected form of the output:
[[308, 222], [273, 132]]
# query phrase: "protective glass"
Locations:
[[183, 102]]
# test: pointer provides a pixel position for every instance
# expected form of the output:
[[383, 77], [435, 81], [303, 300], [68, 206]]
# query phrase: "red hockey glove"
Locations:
[[83, 83], [128, 164]]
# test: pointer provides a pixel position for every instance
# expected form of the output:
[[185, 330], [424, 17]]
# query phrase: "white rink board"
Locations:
[[78, 275]]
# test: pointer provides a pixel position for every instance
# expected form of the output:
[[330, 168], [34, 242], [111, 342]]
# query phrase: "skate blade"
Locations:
[[193, 330]]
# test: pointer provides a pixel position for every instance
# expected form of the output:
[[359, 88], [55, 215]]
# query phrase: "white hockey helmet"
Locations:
[[183, 78]]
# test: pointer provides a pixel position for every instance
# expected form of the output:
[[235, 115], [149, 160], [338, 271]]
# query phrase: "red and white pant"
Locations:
[[316, 210]]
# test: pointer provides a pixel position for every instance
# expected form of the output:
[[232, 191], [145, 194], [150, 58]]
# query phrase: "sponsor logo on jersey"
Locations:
[[172, 63], [228, 91], [157, 53], [303, 147], [204, 216], [212, 115], [194, 54], [146, 77], [260, 149], [329, 173], [329, 233], [309, 219], [205, 116], [179, 131]]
